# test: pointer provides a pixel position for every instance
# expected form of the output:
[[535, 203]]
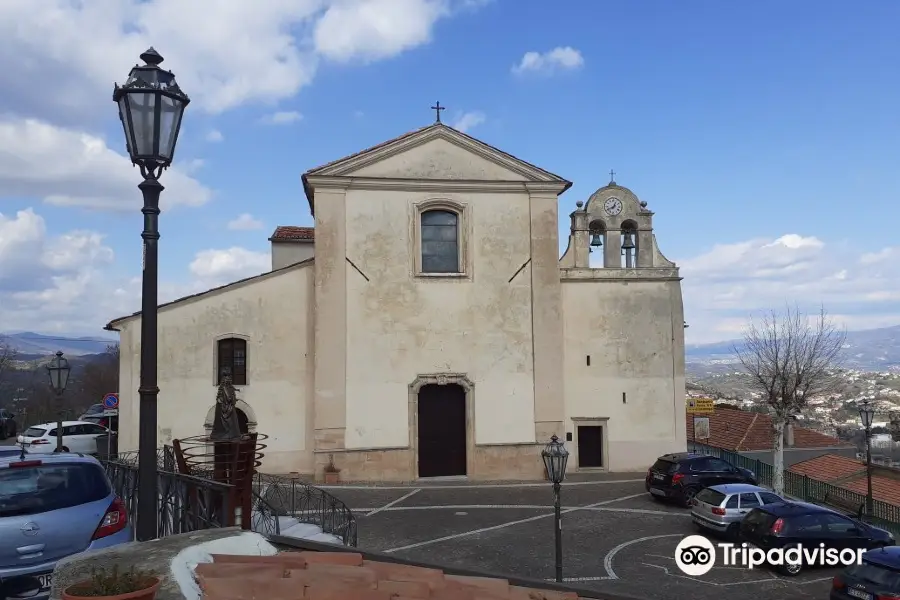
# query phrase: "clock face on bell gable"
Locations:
[[613, 206]]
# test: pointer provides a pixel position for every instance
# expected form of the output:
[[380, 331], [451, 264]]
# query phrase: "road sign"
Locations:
[[111, 401], [700, 406], [701, 428]]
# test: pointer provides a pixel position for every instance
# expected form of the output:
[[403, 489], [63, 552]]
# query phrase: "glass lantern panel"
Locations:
[[142, 107], [169, 123], [126, 124]]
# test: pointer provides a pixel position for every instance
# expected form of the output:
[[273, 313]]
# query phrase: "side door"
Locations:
[[72, 438], [91, 432], [720, 471], [807, 530], [748, 501], [770, 498], [843, 533], [701, 475]]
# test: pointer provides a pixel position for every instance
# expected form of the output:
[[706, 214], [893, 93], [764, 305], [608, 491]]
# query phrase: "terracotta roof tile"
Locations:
[[849, 474], [738, 430], [290, 233], [346, 576]]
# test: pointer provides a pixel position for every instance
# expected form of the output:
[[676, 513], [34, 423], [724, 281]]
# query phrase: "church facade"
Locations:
[[426, 326]]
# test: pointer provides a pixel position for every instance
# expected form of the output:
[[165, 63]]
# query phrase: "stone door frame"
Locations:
[[417, 384]]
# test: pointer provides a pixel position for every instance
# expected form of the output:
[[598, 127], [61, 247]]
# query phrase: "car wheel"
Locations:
[[3, 433], [65, 448], [790, 570], [687, 496]]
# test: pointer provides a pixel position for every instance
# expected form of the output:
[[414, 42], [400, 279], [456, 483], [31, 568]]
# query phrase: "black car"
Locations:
[[7, 424], [877, 577], [681, 476], [792, 524]]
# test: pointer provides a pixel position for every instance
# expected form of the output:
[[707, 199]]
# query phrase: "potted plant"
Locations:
[[129, 585], [332, 473]]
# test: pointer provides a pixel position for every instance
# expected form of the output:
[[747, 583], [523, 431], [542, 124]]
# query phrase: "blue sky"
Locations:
[[762, 134]]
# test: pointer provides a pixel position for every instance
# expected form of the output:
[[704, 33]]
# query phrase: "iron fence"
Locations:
[[884, 514], [276, 497], [185, 503]]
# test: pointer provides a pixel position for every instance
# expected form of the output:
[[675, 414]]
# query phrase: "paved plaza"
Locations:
[[615, 537]]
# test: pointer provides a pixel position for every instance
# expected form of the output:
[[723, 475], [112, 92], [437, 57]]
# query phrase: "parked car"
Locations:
[[788, 524], [877, 577], [57, 506], [92, 411], [682, 475], [78, 436], [721, 508], [108, 419], [7, 424]]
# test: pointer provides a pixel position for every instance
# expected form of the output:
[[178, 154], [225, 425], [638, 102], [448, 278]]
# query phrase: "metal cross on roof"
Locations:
[[437, 108], [612, 176]]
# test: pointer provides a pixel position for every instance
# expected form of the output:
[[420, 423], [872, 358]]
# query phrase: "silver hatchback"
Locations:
[[721, 508]]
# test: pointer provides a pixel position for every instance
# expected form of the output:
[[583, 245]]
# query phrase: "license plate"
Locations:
[[859, 594], [46, 581], [658, 476], [657, 492]]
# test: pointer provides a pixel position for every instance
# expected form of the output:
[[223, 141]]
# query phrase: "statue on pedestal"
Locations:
[[225, 427]]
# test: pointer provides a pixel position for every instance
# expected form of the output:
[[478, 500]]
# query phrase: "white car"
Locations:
[[78, 436]]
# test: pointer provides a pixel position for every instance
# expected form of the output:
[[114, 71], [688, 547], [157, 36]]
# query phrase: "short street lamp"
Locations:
[[58, 370], [555, 458], [150, 107], [867, 416]]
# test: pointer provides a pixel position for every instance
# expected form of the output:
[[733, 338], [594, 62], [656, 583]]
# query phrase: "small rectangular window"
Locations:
[[232, 360], [439, 239]]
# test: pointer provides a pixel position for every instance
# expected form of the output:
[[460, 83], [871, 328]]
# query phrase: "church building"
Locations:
[[426, 326]]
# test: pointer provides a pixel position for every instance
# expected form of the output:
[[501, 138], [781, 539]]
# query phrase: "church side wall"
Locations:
[[401, 326], [633, 333], [273, 315]]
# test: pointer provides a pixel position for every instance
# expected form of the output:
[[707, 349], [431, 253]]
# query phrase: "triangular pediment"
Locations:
[[437, 152]]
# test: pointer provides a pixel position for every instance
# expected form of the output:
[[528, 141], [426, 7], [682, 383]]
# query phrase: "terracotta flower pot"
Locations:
[[332, 477], [71, 592]]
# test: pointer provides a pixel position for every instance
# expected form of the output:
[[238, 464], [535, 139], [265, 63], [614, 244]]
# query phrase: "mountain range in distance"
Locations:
[[30, 345], [866, 350]]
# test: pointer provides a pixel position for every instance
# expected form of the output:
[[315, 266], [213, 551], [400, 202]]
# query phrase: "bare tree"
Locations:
[[790, 358], [7, 357], [101, 375]]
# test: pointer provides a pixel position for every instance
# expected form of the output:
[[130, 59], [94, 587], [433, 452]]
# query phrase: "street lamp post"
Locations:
[[58, 370], [555, 458], [151, 106], [867, 416]]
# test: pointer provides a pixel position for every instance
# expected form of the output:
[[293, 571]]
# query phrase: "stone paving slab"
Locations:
[[616, 538]]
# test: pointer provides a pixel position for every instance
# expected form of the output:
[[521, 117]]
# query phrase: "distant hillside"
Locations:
[[29, 344], [868, 350]]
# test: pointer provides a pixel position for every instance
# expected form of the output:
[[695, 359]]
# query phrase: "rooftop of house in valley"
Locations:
[[741, 431], [850, 474]]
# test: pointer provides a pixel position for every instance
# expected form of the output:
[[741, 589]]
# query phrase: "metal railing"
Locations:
[[273, 497], [185, 503], [884, 514], [276, 497]]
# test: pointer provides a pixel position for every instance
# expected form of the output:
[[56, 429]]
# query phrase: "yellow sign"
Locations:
[[700, 406]]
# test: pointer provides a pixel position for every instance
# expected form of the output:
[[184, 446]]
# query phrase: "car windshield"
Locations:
[[34, 432], [711, 496], [759, 517], [886, 579], [39, 488], [664, 466]]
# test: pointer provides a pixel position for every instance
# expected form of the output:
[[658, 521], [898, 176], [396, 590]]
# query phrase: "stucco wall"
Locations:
[[273, 314], [633, 332], [400, 326], [288, 253]]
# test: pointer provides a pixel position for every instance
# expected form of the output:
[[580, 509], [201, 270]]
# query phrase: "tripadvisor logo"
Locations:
[[696, 555]]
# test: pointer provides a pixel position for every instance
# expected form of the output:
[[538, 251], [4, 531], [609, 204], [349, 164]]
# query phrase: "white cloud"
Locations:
[[245, 222], [70, 168], [214, 136], [231, 264], [223, 53], [561, 58], [469, 120], [282, 118], [724, 286]]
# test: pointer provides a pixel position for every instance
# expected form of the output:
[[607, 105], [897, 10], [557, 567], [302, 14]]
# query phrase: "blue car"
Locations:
[[51, 508], [877, 577]]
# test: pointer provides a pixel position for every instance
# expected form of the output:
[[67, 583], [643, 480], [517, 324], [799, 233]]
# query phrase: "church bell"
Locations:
[[596, 240], [628, 242]]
